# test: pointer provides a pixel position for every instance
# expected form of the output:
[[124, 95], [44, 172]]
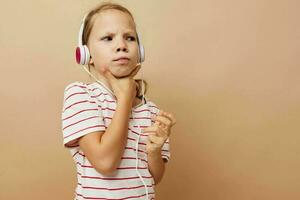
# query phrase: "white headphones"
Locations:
[[82, 53]]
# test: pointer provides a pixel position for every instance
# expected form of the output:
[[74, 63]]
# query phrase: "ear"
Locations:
[[91, 62]]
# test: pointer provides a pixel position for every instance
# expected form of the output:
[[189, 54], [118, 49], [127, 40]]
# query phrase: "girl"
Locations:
[[119, 140]]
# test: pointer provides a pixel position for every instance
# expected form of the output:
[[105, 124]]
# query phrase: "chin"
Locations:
[[122, 71]]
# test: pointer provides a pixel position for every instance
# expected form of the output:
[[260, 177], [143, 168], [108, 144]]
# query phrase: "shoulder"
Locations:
[[78, 96], [154, 108], [78, 87]]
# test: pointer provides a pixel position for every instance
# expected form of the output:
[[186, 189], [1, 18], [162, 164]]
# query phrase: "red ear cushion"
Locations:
[[78, 55], [82, 55]]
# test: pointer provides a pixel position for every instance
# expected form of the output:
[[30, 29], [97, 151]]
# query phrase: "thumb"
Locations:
[[156, 123], [108, 75], [135, 71]]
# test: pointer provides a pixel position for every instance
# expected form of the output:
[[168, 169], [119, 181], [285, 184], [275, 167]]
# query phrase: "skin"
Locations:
[[158, 134], [114, 35]]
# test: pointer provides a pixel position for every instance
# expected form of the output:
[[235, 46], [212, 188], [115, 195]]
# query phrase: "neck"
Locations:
[[106, 84]]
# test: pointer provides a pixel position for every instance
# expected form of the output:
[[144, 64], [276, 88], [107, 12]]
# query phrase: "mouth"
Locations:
[[122, 60]]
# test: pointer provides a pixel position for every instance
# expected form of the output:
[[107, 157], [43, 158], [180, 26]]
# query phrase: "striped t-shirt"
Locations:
[[90, 107]]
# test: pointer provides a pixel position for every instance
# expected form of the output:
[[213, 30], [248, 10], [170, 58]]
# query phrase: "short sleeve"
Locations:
[[80, 114], [165, 151]]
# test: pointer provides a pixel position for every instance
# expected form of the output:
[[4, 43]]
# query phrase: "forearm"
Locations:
[[156, 166], [113, 141]]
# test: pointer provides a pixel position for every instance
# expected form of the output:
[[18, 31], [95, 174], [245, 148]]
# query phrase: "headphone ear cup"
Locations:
[[82, 55], [142, 53]]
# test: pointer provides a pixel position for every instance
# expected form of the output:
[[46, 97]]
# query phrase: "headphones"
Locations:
[[82, 53]]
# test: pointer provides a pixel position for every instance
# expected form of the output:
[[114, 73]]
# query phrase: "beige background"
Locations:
[[228, 70]]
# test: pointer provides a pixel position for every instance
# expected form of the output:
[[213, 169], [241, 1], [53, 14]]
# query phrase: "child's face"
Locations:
[[113, 36]]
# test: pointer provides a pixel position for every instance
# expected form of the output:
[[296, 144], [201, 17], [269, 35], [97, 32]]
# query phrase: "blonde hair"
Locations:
[[88, 25]]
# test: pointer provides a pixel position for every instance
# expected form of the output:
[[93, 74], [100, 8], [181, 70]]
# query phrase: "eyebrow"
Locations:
[[126, 33]]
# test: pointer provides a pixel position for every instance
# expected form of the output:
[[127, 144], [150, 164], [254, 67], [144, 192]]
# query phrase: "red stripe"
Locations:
[[94, 96], [107, 108], [141, 143], [112, 189], [135, 149], [135, 111], [78, 113], [75, 153], [80, 121], [75, 94], [78, 103], [129, 138], [121, 168], [133, 158], [75, 86], [118, 168], [153, 107], [85, 156], [111, 178], [81, 86], [83, 130], [135, 126], [99, 198], [140, 118], [105, 100], [130, 118], [138, 111]]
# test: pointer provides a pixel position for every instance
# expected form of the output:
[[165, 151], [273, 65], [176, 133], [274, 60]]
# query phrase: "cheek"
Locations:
[[100, 56], [135, 53]]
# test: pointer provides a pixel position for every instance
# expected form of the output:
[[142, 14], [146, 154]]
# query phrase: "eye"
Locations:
[[131, 38], [107, 38]]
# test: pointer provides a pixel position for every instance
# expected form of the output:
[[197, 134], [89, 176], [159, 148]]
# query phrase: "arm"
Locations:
[[105, 149], [156, 166], [158, 134]]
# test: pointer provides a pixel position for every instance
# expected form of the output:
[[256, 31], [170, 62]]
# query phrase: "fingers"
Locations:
[[156, 123], [167, 115], [106, 72], [157, 130], [135, 71], [162, 119]]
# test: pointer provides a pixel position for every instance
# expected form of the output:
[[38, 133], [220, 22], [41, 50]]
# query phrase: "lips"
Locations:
[[123, 58]]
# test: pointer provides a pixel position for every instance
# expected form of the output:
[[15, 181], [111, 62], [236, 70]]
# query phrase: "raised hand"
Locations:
[[124, 87], [159, 131]]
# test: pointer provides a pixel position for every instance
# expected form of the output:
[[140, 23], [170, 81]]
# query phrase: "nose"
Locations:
[[122, 46]]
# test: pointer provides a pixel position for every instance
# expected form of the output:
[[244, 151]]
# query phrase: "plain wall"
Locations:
[[228, 71]]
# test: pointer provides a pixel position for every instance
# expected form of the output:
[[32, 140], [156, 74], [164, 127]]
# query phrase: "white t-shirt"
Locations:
[[90, 107]]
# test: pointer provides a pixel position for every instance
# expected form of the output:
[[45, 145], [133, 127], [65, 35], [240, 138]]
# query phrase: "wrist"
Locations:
[[124, 100], [155, 154]]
